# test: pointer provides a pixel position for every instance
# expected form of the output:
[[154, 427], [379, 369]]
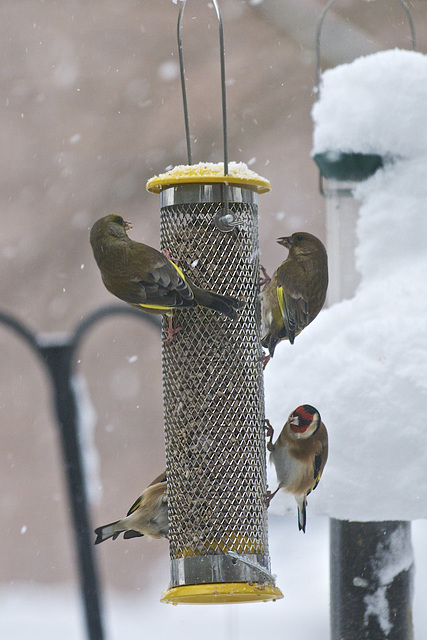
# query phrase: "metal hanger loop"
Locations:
[[183, 86], [402, 3]]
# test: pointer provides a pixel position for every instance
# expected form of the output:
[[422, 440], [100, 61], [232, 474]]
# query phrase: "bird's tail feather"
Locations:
[[224, 304], [132, 534], [111, 530], [302, 514], [269, 342]]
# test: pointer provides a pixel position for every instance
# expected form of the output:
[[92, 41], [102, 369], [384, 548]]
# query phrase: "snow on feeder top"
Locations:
[[213, 394], [212, 173], [361, 105]]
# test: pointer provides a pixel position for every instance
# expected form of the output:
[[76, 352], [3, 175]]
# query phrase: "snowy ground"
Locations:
[[35, 612]]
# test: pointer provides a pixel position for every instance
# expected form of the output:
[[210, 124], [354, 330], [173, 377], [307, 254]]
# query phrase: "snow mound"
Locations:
[[374, 105], [363, 363]]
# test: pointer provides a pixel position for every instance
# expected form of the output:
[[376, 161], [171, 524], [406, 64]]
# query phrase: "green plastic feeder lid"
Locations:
[[351, 167]]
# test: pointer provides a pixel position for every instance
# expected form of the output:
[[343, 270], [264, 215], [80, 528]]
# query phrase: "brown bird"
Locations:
[[147, 516], [299, 456], [296, 293], [145, 278]]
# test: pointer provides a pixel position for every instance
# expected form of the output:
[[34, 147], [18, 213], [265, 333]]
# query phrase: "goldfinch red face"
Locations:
[[304, 421]]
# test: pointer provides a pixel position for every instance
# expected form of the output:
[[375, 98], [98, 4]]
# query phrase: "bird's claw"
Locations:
[[269, 432], [269, 497], [265, 360], [265, 278], [171, 333], [168, 255]]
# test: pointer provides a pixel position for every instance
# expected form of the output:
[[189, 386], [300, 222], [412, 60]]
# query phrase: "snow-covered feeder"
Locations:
[[370, 114], [360, 108], [363, 362], [213, 390]]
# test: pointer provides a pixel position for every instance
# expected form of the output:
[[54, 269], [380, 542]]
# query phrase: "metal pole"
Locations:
[[356, 588], [372, 580], [342, 213], [58, 359]]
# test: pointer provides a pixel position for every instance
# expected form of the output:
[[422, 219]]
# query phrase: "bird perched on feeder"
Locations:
[[299, 455], [295, 294], [145, 278], [148, 516]]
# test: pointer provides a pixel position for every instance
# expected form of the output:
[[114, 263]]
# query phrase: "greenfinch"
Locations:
[[145, 278], [299, 456], [295, 294], [148, 516]]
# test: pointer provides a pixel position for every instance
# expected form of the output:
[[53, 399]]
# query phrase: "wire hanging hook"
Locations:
[[402, 3], [184, 90], [224, 220]]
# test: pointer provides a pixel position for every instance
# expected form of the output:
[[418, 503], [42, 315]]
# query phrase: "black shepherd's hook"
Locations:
[[58, 356]]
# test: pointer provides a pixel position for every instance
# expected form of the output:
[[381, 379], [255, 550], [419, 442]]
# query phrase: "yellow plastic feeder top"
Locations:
[[209, 172]]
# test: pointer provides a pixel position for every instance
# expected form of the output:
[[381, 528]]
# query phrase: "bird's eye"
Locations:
[[300, 237], [118, 220]]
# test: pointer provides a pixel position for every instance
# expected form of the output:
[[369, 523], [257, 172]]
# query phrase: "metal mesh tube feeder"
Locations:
[[213, 392], [214, 398]]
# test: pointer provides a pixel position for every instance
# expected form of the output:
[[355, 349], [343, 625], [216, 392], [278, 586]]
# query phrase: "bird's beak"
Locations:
[[286, 241], [127, 225], [294, 421]]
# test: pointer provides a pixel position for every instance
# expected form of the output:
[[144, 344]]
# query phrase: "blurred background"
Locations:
[[90, 109]]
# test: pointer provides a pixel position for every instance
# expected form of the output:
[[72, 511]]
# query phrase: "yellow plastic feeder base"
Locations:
[[210, 172], [221, 593]]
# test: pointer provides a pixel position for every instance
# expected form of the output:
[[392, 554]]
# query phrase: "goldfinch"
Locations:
[[148, 516], [299, 456], [144, 277], [295, 294]]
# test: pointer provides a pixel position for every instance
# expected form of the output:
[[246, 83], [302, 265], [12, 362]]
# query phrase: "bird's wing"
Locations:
[[293, 305], [135, 506], [317, 469], [159, 282], [130, 533]]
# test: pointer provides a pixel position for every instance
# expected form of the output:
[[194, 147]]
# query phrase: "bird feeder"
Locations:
[[358, 147], [346, 152], [344, 165], [213, 382]]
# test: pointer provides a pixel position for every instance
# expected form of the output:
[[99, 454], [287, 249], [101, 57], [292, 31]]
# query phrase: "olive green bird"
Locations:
[[295, 294], [145, 278], [148, 516]]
